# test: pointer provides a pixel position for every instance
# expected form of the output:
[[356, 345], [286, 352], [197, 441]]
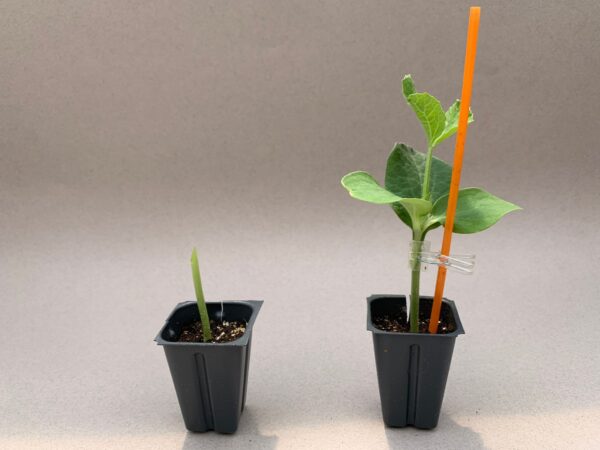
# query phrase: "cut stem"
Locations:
[[204, 320]]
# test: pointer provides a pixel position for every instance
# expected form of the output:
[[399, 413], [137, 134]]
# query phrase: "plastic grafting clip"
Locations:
[[419, 252]]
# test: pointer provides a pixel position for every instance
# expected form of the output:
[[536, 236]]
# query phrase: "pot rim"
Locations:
[[255, 305], [370, 327]]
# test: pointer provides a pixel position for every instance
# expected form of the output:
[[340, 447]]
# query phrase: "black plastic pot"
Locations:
[[210, 379], [412, 368]]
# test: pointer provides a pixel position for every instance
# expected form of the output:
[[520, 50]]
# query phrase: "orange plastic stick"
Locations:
[[461, 137]]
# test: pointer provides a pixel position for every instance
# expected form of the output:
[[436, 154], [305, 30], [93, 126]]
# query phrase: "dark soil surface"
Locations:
[[222, 331], [397, 322]]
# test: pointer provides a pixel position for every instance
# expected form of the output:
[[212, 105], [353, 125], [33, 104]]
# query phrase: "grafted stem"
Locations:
[[419, 232], [415, 281]]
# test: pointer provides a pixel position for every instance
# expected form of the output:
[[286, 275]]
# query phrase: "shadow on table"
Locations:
[[448, 434], [247, 436]]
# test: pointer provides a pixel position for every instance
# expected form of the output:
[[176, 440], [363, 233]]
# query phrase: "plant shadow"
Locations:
[[448, 434], [247, 436]]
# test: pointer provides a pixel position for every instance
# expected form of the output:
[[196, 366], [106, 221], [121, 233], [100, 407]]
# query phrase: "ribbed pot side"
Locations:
[[210, 379], [412, 368]]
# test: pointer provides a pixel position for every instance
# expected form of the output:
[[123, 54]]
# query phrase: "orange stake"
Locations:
[[461, 137]]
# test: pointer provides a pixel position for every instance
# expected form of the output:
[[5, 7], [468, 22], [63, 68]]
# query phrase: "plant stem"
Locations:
[[204, 320], [427, 175], [417, 246], [415, 280]]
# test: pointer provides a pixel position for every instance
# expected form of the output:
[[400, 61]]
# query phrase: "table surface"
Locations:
[[81, 369]]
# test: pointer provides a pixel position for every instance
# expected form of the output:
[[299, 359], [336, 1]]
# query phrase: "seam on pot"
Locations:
[[206, 399], [413, 382]]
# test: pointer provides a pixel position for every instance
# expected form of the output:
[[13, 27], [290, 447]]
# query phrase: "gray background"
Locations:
[[132, 131]]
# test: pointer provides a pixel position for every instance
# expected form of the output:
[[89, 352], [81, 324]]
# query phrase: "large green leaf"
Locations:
[[476, 210], [406, 169], [404, 177], [362, 186], [451, 122], [430, 113]]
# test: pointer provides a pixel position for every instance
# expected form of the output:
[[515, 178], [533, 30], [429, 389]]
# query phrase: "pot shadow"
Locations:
[[247, 436], [448, 434]]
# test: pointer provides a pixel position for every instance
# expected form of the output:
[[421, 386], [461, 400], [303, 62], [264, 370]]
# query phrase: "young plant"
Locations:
[[417, 185], [204, 320]]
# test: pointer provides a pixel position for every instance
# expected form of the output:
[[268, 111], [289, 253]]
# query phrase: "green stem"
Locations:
[[204, 320], [427, 175], [418, 236], [415, 281]]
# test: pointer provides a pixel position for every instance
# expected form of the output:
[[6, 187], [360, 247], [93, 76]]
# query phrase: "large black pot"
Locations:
[[412, 368], [210, 379]]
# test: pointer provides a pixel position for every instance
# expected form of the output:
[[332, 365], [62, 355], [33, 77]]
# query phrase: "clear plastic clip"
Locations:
[[419, 252]]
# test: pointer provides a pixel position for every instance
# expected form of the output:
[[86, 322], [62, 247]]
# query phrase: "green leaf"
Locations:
[[430, 113], [404, 177], [402, 214], [476, 211], [451, 122], [408, 87], [416, 207], [362, 186], [406, 169]]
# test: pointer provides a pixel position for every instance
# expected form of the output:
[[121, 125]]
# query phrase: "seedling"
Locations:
[[417, 185], [206, 333]]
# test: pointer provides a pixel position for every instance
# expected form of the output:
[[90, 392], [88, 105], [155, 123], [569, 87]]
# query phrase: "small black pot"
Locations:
[[210, 379], [412, 368]]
